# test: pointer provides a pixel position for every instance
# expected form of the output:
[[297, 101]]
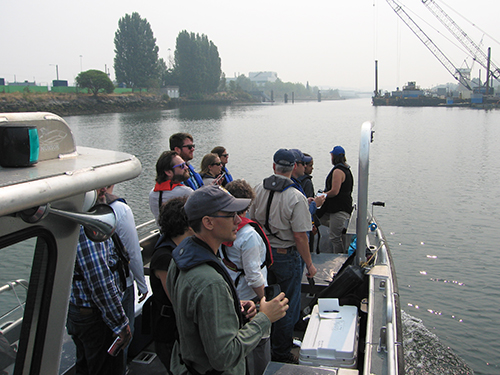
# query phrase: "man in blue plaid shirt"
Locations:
[[96, 316]]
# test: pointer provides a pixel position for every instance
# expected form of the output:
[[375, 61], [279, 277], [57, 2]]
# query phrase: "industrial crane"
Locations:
[[476, 52], [456, 73]]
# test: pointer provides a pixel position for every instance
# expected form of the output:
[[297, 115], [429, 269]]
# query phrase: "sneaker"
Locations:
[[289, 358]]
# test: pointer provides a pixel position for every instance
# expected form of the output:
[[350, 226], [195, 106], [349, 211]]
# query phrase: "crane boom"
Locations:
[[476, 52], [405, 17]]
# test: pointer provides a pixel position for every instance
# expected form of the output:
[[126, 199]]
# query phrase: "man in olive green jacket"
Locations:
[[216, 330]]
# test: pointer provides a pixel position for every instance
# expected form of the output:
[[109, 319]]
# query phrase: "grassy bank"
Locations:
[[66, 104], [78, 104]]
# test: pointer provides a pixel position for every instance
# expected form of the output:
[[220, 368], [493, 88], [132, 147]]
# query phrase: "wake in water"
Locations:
[[424, 352]]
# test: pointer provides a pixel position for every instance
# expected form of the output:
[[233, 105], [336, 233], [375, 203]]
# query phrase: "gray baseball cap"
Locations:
[[209, 199]]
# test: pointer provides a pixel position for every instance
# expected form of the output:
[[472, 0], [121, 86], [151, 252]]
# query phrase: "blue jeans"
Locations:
[[287, 272], [92, 339]]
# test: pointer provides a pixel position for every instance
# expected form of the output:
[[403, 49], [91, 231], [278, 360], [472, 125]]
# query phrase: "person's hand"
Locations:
[[142, 297], [218, 180], [125, 336], [311, 270], [276, 308], [249, 309], [320, 200]]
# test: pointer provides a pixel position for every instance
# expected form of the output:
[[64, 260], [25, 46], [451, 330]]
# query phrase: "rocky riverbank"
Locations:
[[82, 104]]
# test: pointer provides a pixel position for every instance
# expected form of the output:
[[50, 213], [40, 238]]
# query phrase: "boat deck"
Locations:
[[146, 362]]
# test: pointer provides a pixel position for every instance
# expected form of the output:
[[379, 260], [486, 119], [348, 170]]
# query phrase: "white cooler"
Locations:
[[331, 337]]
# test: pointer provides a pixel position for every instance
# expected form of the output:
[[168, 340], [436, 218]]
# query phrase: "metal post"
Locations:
[[376, 78], [362, 219]]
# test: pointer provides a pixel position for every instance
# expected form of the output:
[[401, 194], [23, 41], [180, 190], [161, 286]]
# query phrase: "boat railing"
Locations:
[[147, 229], [148, 233], [145, 225], [391, 352], [12, 284], [10, 321], [388, 339]]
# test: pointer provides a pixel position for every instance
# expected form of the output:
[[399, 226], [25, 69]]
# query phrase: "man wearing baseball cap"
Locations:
[[214, 332], [338, 204], [283, 212]]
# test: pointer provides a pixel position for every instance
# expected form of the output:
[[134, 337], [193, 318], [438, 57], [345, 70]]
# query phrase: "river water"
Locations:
[[436, 169]]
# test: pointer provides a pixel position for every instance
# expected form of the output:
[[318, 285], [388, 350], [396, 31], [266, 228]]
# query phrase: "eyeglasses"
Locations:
[[190, 146], [233, 215], [225, 155], [219, 163], [181, 165]]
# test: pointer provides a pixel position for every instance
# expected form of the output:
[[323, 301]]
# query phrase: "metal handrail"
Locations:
[[364, 161], [140, 226], [391, 352], [12, 284]]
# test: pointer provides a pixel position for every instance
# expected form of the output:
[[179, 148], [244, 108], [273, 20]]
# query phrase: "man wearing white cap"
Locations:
[[215, 335]]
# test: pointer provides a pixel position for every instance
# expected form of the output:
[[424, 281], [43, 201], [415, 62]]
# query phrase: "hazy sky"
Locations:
[[324, 42]]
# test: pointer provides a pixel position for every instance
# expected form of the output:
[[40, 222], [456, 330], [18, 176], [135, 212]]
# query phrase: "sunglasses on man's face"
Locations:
[[189, 146], [181, 166], [232, 215]]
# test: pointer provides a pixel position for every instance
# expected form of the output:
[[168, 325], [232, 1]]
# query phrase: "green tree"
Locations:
[[94, 81], [245, 84], [280, 88], [136, 52], [197, 64], [167, 76], [222, 83]]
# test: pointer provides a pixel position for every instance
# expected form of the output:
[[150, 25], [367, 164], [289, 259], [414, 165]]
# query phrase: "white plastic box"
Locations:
[[331, 337]]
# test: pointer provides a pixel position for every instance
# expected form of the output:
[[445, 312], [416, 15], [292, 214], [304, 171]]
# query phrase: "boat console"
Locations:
[[44, 178]]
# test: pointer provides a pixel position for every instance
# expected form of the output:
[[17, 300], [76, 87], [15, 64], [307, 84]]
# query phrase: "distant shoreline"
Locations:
[[84, 104]]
